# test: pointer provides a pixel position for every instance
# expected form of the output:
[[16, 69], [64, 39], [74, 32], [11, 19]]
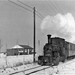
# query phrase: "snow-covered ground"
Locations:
[[8, 71], [11, 61], [67, 68]]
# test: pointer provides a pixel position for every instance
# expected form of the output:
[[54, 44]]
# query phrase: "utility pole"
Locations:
[[34, 43]]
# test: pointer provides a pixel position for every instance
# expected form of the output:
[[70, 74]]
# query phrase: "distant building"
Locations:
[[20, 50]]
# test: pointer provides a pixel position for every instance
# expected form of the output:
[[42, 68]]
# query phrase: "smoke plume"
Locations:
[[60, 25]]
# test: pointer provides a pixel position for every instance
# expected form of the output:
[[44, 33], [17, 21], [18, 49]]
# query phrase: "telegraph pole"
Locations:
[[34, 34]]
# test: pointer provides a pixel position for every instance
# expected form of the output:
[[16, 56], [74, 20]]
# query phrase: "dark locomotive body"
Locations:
[[56, 50]]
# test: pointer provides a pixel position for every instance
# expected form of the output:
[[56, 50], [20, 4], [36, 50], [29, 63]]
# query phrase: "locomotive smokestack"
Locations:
[[49, 38]]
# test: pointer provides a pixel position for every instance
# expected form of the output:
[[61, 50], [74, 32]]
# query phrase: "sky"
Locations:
[[16, 23]]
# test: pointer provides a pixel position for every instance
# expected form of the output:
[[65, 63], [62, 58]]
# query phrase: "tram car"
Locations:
[[55, 51]]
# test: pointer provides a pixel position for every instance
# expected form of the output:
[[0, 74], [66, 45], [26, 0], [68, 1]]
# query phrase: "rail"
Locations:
[[24, 70], [37, 70], [32, 70]]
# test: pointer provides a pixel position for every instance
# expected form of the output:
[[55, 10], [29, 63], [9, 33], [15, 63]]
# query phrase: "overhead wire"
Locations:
[[39, 14], [54, 6], [25, 4], [57, 7], [24, 8], [19, 5], [51, 6], [31, 8], [60, 9]]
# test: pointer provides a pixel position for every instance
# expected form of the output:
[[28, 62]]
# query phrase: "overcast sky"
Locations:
[[17, 23]]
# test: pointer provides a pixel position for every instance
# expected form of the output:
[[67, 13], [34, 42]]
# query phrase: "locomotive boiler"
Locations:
[[56, 50]]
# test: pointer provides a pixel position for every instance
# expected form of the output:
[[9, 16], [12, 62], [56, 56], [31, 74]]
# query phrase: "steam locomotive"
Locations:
[[55, 51]]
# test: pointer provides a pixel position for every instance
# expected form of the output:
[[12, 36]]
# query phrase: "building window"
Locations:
[[31, 51], [20, 51]]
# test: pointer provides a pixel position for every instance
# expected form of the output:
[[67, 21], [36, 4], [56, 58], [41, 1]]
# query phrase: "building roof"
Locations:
[[17, 46], [22, 46], [26, 46]]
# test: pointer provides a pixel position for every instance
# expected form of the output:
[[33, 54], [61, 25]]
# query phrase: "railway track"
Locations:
[[35, 69], [38, 68], [31, 70], [18, 71]]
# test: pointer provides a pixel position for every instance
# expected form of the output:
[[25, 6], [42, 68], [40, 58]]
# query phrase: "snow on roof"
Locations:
[[26, 46], [22, 46], [17, 46]]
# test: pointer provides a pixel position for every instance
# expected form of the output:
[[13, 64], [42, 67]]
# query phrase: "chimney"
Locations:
[[49, 38]]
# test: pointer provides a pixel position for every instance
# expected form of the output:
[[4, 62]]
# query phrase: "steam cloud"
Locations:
[[60, 25]]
